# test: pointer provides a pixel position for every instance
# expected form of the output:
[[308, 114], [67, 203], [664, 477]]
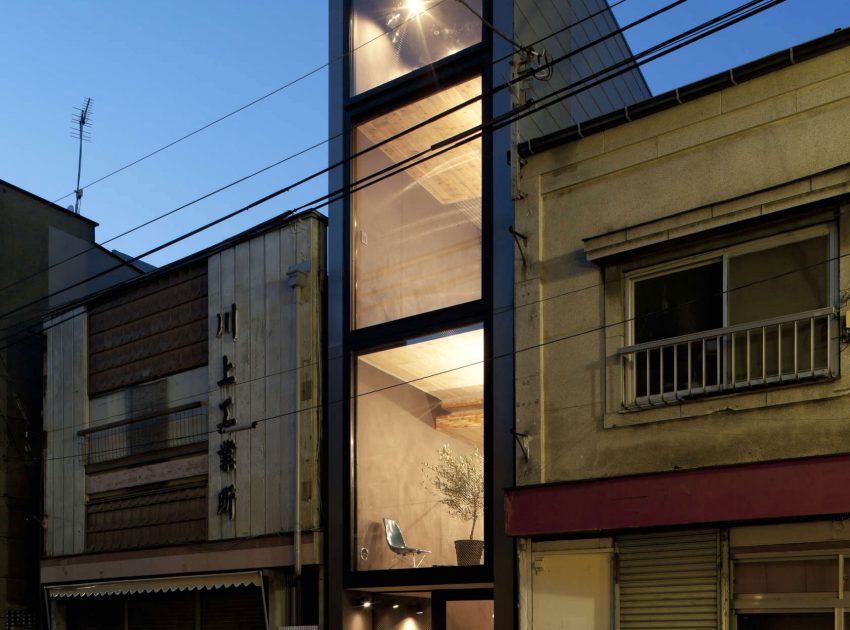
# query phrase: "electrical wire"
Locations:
[[449, 148], [350, 158], [618, 323], [259, 99], [626, 321], [373, 147]]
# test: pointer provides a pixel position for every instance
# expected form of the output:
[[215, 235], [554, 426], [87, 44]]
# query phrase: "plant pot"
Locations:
[[469, 552]]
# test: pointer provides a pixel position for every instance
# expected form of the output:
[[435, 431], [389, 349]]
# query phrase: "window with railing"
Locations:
[[179, 426], [752, 316]]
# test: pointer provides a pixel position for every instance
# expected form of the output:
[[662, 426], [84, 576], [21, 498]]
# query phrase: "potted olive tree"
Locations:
[[459, 482]]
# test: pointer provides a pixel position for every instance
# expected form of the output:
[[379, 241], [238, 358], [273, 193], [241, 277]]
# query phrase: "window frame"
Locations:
[[463, 66], [460, 75], [722, 254]]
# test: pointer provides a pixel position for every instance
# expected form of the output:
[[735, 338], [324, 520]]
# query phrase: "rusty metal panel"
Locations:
[[164, 516], [149, 330]]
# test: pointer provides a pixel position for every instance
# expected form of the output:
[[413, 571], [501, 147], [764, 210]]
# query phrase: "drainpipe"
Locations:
[[297, 279]]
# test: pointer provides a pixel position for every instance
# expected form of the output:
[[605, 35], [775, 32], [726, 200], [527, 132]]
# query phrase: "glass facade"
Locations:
[[419, 452], [417, 234], [390, 38]]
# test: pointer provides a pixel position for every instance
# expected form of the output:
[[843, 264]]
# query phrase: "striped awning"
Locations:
[[158, 585]]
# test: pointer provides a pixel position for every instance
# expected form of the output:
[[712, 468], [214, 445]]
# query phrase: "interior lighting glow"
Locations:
[[415, 8]]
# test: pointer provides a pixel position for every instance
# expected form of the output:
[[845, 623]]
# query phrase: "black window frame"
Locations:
[[469, 63]]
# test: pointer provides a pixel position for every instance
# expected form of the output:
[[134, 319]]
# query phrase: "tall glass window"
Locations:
[[417, 234], [390, 38], [419, 453]]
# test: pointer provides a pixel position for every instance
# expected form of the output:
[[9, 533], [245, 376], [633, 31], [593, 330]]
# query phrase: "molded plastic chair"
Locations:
[[395, 541]]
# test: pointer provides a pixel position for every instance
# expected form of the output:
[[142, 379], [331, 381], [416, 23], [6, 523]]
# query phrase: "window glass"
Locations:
[[419, 453], [679, 303], [417, 234], [390, 38], [469, 614], [792, 278]]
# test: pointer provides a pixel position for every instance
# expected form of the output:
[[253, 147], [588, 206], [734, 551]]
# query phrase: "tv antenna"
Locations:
[[81, 129]]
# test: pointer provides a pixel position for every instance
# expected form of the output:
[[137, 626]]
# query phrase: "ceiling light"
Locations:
[[395, 605], [415, 8], [365, 603]]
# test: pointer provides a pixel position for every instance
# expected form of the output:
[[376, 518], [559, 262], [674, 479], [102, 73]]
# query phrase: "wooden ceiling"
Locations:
[[449, 368], [454, 176]]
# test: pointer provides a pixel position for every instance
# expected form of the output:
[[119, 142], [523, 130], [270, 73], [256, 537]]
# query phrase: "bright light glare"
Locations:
[[415, 8]]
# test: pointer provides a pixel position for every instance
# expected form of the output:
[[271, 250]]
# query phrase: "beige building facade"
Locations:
[[683, 270]]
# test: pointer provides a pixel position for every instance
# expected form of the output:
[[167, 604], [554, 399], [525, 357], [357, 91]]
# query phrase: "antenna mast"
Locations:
[[81, 129]]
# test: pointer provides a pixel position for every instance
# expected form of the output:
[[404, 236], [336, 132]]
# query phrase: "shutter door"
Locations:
[[669, 580], [230, 608], [95, 613], [161, 611]]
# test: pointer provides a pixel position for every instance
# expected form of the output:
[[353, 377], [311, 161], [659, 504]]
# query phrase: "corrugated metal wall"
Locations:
[[66, 412], [149, 331], [669, 580]]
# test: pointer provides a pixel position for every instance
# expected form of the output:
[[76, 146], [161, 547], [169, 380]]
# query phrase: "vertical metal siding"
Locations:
[[669, 580]]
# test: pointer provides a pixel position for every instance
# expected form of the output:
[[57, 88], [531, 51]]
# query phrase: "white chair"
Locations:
[[395, 541]]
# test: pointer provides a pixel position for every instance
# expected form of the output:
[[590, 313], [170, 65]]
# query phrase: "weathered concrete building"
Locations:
[[183, 431], [47, 256], [681, 368]]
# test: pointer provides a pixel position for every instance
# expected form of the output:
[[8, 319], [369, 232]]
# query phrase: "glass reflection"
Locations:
[[419, 444], [390, 38], [417, 234]]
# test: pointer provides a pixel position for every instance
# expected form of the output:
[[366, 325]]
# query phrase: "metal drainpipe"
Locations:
[[297, 280]]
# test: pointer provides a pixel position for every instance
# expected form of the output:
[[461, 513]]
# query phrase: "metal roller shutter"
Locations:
[[161, 611], [237, 608], [669, 580]]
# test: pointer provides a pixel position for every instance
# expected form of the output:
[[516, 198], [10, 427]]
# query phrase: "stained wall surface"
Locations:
[[276, 282], [747, 162]]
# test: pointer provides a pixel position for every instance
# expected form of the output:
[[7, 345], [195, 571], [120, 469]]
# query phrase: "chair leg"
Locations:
[[421, 560]]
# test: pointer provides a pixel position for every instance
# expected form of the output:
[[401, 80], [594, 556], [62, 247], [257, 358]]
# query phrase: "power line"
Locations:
[[697, 33], [173, 211], [633, 319], [259, 99], [514, 308], [324, 171], [419, 125]]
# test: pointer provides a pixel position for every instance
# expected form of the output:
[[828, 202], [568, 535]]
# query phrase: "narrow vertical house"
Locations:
[[183, 426], [420, 309], [681, 360]]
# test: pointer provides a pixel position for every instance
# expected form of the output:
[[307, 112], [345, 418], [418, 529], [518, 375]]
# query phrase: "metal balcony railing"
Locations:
[[789, 349], [147, 433]]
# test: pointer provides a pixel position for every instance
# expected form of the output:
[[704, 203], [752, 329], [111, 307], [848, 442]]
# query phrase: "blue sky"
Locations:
[[157, 70]]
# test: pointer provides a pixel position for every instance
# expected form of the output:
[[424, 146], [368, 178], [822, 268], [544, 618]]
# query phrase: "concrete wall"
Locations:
[[395, 437], [726, 168], [26, 250]]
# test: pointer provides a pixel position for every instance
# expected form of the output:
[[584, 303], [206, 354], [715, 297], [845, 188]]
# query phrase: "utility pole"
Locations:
[[81, 130]]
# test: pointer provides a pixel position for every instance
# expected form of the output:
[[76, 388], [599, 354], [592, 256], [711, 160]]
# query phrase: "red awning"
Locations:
[[786, 489]]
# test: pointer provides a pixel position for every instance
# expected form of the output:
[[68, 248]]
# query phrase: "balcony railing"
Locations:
[[789, 349], [169, 428]]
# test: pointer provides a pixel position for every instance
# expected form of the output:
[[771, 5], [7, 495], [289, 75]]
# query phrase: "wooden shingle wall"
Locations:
[[275, 280], [66, 412], [149, 331]]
